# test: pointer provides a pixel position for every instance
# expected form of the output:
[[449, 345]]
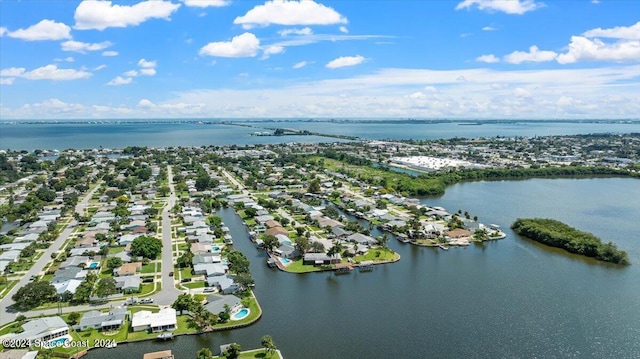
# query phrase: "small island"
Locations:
[[557, 234]]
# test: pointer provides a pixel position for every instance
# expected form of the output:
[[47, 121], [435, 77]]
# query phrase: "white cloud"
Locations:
[[3, 31], [148, 72], [99, 67], [295, 31], [284, 12], [517, 7], [299, 65], [13, 71], [147, 64], [206, 3], [110, 53], [272, 50], [118, 81], [581, 48], [146, 103], [521, 92], [619, 32], [534, 55], [489, 28], [245, 45], [48, 72], [7, 81], [343, 29], [490, 59], [131, 73], [83, 47], [44, 30], [67, 59], [345, 61], [100, 15]]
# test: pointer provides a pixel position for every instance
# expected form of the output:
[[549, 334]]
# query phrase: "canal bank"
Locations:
[[508, 298]]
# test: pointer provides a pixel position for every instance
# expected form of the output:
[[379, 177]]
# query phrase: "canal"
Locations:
[[501, 299]]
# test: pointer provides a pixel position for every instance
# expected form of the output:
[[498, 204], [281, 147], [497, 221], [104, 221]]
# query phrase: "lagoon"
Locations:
[[502, 299]]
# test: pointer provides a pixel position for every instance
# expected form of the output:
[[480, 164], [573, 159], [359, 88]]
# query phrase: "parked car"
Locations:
[[184, 280], [170, 274], [146, 300]]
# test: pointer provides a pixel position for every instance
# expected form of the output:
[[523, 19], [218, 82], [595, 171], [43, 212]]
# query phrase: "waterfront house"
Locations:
[[202, 258], [321, 258], [216, 303], [287, 251], [210, 269], [362, 239], [277, 230], [225, 283], [45, 329], [103, 321], [164, 320], [200, 248]]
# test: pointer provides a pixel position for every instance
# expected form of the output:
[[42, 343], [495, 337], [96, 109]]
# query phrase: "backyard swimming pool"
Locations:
[[285, 261], [93, 265], [241, 314], [215, 249]]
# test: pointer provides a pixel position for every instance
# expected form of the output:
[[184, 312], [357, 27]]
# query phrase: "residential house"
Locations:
[[216, 303], [164, 320], [103, 321], [128, 269], [45, 329], [321, 258], [224, 283], [129, 283], [210, 269], [362, 239]]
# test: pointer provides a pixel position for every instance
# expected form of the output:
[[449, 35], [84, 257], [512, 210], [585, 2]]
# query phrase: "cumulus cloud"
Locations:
[[146, 103], [517, 7], [295, 31], [581, 48], [44, 30], [284, 12], [272, 50], [534, 55], [490, 59], [99, 15], [118, 81], [7, 80], [299, 65], [147, 64], [206, 3], [345, 61], [619, 32], [48, 72], [343, 29], [245, 45], [110, 53], [83, 47]]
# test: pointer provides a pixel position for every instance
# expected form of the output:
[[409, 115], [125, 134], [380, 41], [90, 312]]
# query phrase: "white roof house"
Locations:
[[163, 320], [43, 329]]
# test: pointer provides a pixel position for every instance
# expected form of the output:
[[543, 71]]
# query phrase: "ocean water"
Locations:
[[60, 136]]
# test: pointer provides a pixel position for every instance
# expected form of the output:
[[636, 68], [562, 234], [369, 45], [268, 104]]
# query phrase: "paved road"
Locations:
[[168, 293], [5, 316]]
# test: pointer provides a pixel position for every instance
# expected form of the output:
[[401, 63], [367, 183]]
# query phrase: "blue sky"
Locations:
[[312, 59]]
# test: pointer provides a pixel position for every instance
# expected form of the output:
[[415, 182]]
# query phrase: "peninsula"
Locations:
[[557, 234]]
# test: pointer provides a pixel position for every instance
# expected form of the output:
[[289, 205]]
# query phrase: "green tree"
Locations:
[[114, 262], [183, 302], [270, 242], [34, 294], [303, 244], [268, 344], [147, 247], [233, 351], [250, 212], [314, 186], [185, 260], [73, 318], [204, 353], [106, 287]]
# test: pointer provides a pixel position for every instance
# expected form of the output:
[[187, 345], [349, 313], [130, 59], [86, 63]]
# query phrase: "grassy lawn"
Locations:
[[194, 285], [184, 246], [298, 267], [115, 250], [146, 288], [185, 273], [92, 335], [377, 254], [149, 268]]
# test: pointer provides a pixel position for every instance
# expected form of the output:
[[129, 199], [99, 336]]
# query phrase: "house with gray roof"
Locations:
[[210, 269], [224, 283], [68, 273], [362, 239], [216, 302], [129, 283], [42, 329], [287, 251], [75, 261], [321, 258], [203, 258], [103, 321]]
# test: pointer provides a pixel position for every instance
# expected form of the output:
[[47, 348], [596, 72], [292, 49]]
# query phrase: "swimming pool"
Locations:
[[241, 314], [285, 261], [215, 249], [93, 265]]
